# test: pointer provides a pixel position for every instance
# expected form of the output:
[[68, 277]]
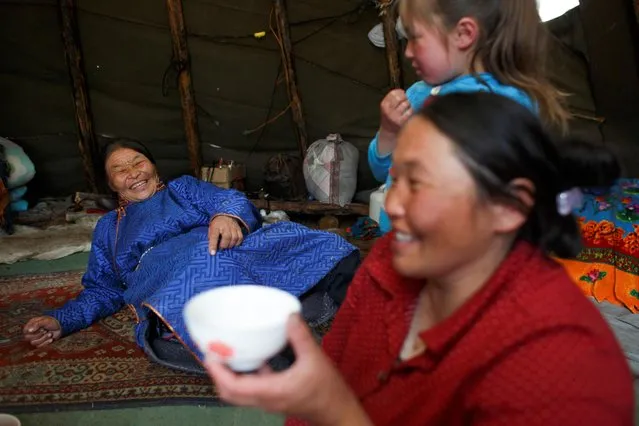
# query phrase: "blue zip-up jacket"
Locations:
[[417, 95]]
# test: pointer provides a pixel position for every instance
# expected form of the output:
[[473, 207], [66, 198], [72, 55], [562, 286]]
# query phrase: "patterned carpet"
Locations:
[[98, 367]]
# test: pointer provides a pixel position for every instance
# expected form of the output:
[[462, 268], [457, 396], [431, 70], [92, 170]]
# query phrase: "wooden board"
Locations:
[[312, 207]]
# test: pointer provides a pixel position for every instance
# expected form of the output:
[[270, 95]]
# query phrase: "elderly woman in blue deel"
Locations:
[[167, 243]]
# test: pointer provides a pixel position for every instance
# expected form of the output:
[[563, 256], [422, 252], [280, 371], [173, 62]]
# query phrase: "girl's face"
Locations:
[[441, 226], [436, 56], [131, 174]]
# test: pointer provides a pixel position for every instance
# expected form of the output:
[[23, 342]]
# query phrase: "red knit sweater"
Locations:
[[527, 349]]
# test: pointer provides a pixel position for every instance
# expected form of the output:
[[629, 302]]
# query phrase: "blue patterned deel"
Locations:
[[157, 257]]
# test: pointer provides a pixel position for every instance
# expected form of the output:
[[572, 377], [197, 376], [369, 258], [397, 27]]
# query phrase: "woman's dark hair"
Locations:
[[116, 144], [499, 141]]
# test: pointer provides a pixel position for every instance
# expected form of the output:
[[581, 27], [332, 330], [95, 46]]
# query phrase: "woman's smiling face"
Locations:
[[439, 221], [131, 174]]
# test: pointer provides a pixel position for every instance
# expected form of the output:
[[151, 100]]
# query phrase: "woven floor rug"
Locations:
[[99, 367]]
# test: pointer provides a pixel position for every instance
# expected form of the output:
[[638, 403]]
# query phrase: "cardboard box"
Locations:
[[225, 176]]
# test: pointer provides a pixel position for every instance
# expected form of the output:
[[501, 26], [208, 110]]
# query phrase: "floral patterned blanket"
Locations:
[[608, 266]]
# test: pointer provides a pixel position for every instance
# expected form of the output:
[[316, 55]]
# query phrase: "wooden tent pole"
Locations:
[[286, 48], [182, 61], [87, 143], [389, 19]]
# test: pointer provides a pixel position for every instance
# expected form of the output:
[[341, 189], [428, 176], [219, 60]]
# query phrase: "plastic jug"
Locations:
[[376, 202]]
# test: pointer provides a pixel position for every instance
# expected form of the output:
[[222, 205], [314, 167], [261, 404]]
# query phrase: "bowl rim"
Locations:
[[195, 300]]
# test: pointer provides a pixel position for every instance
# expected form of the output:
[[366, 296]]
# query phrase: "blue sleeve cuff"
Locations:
[[57, 314], [380, 165]]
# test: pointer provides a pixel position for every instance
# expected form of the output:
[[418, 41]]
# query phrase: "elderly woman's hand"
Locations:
[[42, 331], [311, 389], [225, 231]]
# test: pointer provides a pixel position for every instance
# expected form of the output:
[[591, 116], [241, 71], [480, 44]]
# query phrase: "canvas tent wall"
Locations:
[[127, 53]]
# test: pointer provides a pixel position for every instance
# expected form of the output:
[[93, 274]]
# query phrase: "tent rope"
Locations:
[[175, 65]]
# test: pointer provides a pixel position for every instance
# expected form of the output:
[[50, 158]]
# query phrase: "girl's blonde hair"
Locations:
[[511, 45]]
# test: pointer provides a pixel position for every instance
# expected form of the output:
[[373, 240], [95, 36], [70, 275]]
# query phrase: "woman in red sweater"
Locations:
[[459, 316]]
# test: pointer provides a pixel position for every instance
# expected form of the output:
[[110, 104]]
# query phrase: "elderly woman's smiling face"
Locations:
[[131, 174]]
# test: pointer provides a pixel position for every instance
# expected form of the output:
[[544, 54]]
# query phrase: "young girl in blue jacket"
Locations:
[[467, 46]]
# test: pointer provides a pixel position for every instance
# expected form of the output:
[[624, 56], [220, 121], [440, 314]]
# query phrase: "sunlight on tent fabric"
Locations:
[[551, 9]]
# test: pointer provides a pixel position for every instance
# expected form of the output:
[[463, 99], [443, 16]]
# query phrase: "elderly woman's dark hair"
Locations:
[[116, 144], [499, 141]]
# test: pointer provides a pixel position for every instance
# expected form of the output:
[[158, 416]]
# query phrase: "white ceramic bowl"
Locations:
[[9, 420], [240, 325]]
